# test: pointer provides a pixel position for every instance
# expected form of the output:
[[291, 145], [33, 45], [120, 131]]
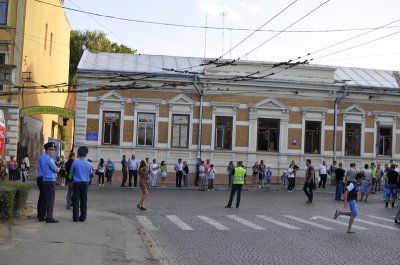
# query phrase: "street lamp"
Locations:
[[337, 101]]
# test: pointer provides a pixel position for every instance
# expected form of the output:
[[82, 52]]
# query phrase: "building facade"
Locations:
[[136, 104], [34, 43]]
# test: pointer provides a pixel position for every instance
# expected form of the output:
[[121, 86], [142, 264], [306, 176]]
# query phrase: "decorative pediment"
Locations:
[[269, 104], [181, 100], [112, 96], [354, 109]]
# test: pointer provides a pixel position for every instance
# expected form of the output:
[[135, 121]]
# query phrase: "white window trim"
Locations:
[[227, 110], [106, 105], [386, 119], [146, 106], [351, 116], [313, 114], [181, 105]]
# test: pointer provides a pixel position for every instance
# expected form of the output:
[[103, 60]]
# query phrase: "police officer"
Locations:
[[81, 169], [239, 174], [41, 200], [49, 170]]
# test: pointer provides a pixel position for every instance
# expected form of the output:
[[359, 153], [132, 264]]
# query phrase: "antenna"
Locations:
[[205, 37], [223, 14]]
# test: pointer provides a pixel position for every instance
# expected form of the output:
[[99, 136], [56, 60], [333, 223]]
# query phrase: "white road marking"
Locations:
[[339, 222], [245, 222], [213, 223], [375, 224], [182, 225], [308, 222], [381, 218], [146, 223], [272, 220]]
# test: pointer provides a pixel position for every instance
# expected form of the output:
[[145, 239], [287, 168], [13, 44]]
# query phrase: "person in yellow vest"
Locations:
[[239, 174]]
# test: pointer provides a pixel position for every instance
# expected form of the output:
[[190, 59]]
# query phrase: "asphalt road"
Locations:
[[275, 227]]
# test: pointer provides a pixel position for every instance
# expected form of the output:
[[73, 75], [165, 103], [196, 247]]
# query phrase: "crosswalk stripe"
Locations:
[[308, 222], [339, 222], [182, 225], [375, 224], [272, 220], [213, 223], [146, 223], [381, 218], [245, 222]]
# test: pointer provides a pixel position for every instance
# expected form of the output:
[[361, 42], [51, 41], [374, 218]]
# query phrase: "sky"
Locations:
[[252, 14]]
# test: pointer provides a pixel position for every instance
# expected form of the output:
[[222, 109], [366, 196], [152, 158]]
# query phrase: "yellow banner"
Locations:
[[47, 110]]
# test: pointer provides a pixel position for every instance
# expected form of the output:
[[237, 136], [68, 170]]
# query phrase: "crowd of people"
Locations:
[[16, 172]]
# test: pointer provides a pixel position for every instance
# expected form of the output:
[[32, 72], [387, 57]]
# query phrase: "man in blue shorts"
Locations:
[[350, 199]]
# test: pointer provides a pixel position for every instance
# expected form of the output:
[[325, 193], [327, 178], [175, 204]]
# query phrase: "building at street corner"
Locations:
[[34, 58], [136, 103]]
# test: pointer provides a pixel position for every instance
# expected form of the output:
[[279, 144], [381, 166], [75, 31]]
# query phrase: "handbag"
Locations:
[[71, 175]]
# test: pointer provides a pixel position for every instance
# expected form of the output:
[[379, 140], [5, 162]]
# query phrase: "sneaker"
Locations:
[[336, 215], [52, 221], [208, 190], [227, 206]]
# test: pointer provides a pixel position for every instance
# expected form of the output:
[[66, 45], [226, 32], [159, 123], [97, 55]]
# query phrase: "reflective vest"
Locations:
[[238, 178]]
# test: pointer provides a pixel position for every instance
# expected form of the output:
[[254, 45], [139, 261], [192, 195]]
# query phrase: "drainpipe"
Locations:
[[337, 101], [200, 118]]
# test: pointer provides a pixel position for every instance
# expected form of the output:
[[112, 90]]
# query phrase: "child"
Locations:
[[268, 178], [163, 169], [185, 174], [255, 173], [22, 171], [350, 199], [283, 179], [211, 176]]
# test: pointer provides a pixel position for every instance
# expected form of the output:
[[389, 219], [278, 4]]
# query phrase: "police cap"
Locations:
[[49, 145], [83, 150]]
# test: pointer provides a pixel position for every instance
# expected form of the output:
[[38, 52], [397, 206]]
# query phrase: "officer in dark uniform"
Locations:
[[49, 170], [81, 169], [41, 200]]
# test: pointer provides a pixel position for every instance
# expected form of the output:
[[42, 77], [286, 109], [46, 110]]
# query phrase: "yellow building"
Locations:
[[34, 43]]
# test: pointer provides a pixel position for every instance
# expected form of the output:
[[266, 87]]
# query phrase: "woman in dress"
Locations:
[[144, 181]]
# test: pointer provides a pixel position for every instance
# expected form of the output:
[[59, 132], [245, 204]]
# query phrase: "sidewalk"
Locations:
[[105, 238]]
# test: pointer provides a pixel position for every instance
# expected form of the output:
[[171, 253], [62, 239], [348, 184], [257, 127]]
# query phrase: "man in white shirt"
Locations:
[[133, 165], [323, 175], [179, 173]]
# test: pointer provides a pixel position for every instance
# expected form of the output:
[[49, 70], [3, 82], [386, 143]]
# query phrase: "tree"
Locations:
[[93, 40]]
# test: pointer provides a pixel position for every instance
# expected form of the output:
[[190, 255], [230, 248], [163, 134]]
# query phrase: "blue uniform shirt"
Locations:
[[48, 167], [40, 170], [82, 169]]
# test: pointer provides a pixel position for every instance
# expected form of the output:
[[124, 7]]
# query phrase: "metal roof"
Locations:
[[145, 63], [137, 63]]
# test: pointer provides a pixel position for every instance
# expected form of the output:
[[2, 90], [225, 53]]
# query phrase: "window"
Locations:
[[353, 139], [385, 141], [45, 35], [223, 132], [180, 131], [51, 44], [145, 129], [312, 143], [3, 12], [111, 122], [268, 135]]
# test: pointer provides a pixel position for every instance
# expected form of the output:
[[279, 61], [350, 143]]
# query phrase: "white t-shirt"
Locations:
[[154, 168], [367, 174], [201, 171], [290, 173], [322, 169]]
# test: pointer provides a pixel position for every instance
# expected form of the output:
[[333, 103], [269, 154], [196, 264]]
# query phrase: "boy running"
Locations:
[[350, 198]]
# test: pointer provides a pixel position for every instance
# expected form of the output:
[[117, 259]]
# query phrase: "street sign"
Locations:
[[92, 136]]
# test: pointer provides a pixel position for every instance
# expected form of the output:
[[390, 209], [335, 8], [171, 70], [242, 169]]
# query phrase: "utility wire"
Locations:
[[206, 27]]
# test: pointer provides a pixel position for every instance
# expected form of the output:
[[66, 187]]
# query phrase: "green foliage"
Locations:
[[95, 41], [13, 195], [7, 202]]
